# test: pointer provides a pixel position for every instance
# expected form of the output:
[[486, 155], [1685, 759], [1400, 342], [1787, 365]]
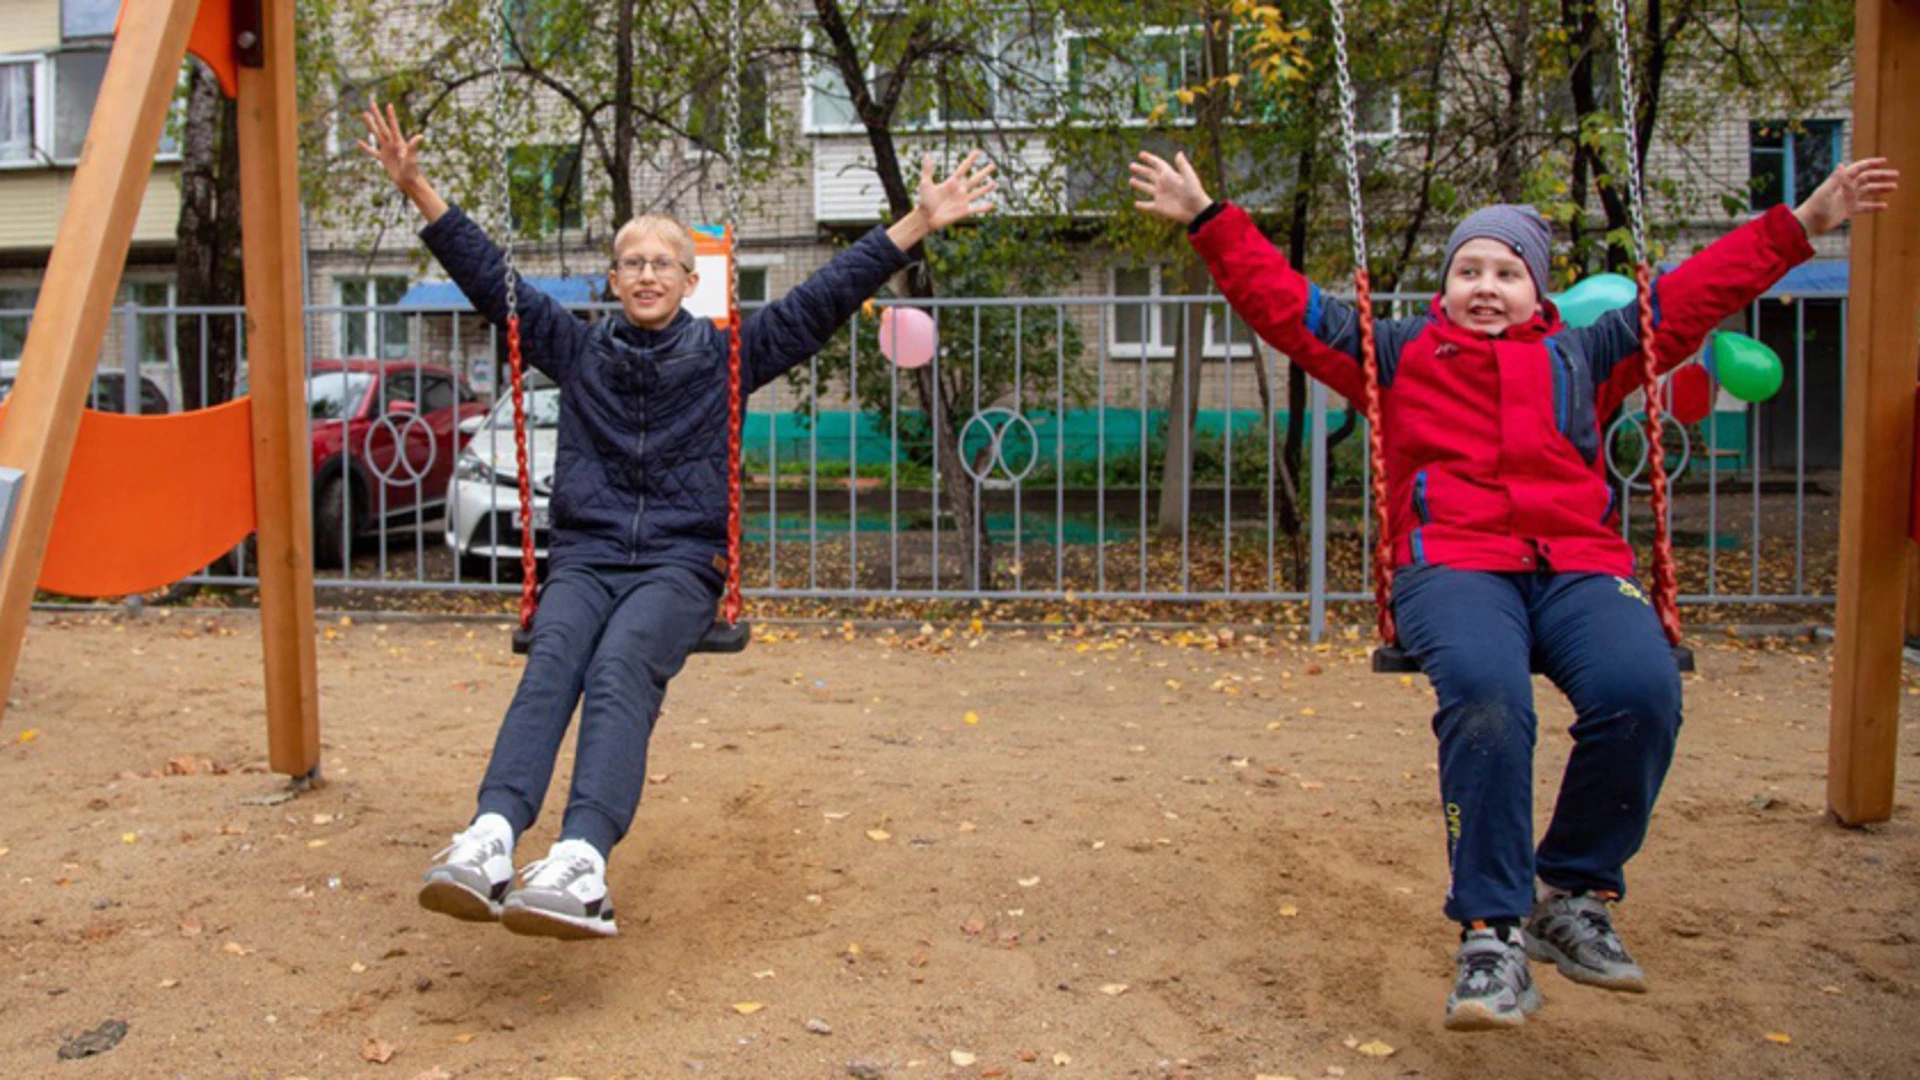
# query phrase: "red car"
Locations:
[[385, 435]]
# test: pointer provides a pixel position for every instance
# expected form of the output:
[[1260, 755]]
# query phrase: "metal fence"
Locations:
[[1060, 409]]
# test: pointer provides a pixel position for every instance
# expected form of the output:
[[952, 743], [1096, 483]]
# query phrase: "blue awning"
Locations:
[[445, 294], [1817, 276]]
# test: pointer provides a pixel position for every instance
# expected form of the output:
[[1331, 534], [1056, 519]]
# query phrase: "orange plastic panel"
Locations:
[[150, 499]]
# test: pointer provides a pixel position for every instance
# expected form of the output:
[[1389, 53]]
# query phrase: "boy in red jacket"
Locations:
[[1508, 547]]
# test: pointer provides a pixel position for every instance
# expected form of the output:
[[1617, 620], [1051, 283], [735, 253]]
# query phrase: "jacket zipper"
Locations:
[[1420, 498]]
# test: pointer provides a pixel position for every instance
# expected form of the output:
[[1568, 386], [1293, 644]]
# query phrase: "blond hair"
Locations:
[[663, 226]]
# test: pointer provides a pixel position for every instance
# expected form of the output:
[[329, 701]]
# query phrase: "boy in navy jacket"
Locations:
[[1508, 547], [639, 498]]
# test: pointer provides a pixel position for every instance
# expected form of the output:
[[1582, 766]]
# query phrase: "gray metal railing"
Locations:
[[1059, 407]]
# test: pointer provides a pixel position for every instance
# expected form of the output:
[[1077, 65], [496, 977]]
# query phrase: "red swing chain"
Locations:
[[1666, 603], [529, 575], [1369, 358], [731, 604]]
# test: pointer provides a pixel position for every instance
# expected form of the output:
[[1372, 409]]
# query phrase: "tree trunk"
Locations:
[[622, 178], [1189, 356], [207, 258], [876, 117]]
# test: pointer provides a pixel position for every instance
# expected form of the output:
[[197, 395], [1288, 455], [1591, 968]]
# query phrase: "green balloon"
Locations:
[[1592, 297], [1747, 368]]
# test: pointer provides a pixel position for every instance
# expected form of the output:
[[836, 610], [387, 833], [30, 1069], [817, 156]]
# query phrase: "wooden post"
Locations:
[[70, 320], [1876, 481], [276, 359]]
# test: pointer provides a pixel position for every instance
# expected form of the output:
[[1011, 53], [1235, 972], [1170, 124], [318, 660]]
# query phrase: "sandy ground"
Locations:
[[986, 855]]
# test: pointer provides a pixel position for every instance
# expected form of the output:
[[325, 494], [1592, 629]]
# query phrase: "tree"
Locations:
[[207, 253]]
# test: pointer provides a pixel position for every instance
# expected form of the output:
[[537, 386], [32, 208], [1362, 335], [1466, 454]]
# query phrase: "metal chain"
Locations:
[[1617, 17], [731, 603], [1349, 137]]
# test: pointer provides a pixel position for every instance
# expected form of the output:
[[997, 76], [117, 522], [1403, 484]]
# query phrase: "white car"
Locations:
[[483, 501]]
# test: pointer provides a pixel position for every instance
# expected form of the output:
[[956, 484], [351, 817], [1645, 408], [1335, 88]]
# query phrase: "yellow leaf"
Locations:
[[236, 949], [128, 838], [972, 717], [747, 1008], [1288, 911], [1780, 1037], [27, 736], [1308, 711], [1029, 882], [879, 836], [961, 1057], [1062, 1059], [357, 967], [465, 1037], [1114, 989], [311, 844], [1376, 1048]]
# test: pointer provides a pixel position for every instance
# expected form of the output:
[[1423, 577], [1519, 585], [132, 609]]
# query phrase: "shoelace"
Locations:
[[562, 868], [474, 849], [1482, 966]]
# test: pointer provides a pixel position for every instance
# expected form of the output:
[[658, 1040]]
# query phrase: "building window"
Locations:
[[1787, 160], [545, 189], [16, 312], [1223, 327], [19, 82], [88, 18], [76, 86], [1138, 79], [1140, 329], [753, 285], [369, 333], [707, 116]]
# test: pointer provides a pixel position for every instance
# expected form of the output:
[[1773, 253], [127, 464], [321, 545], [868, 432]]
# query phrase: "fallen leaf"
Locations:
[[377, 1051], [1029, 882], [747, 1008], [323, 819], [168, 984], [879, 836], [357, 967], [1375, 1048], [1062, 1059], [128, 837], [311, 844], [1780, 1037], [236, 949], [27, 736], [972, 717], [465, 1037], [1114, 989], [767, 974], [1288, 911], [961, 1057], [435, 1073]]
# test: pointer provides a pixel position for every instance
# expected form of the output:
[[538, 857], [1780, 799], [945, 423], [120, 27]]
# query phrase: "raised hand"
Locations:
[[1170, 189], [396, 153], [1860, 187], [958, 197]]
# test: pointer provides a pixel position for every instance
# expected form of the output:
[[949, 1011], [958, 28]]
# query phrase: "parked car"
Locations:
[[483, 508], [107, 394], [385, 434]]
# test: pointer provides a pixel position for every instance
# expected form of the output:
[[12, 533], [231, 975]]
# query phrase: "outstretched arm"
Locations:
[[549, 332], [786, 332], [1731, 273], [1315, 331]]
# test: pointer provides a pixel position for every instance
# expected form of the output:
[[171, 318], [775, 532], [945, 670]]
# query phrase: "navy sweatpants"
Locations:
[[1597, 638], [616, 636]]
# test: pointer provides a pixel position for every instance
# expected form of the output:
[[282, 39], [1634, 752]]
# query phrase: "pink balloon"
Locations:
[[906, 336]]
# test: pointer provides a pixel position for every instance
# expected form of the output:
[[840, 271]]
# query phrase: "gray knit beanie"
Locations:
[[1519, 227]]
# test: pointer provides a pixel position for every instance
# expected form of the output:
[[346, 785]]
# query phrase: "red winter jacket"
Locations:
[[1493, 443]]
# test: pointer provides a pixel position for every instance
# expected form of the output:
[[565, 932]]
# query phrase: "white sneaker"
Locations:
[[471, 875], [563, 895]]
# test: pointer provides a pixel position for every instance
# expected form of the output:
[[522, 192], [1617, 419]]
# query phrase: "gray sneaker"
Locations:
[[1494, 988], [563, 896], [470, 876], [1576, 933]]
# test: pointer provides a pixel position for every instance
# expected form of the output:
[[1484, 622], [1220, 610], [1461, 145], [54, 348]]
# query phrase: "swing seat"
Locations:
[[719, 638], [1394, 660]]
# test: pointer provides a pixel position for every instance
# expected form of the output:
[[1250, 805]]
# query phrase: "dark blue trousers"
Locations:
[[607, 639], [1597, 638]]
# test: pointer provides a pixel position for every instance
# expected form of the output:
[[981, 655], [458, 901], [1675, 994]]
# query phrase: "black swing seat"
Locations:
[[1394, 660], [719, 638]]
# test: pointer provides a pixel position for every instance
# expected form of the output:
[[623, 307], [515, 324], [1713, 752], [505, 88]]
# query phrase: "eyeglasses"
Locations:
[[633, 265]]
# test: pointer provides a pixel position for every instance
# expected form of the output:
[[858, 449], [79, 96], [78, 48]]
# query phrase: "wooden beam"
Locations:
[[276, 367], [1876, 482], [70, 320]]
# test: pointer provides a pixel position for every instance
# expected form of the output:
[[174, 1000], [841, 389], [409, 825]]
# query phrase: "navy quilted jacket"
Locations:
[[640, 474]]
